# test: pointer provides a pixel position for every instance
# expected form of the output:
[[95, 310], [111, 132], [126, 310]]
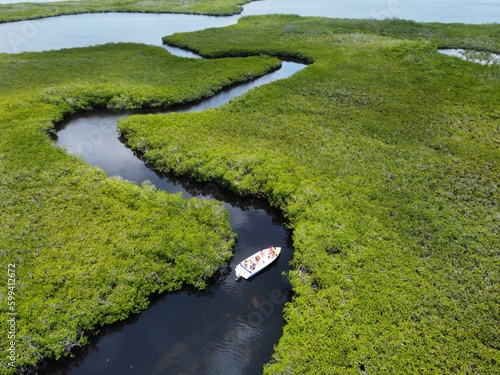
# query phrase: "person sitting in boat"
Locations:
[[252, 267], [271, 251]]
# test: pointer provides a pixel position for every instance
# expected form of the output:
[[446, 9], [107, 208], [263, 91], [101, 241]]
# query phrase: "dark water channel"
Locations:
[[229, 328]]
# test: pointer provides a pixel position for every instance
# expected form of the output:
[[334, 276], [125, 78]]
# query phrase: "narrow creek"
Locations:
[[229, 328]]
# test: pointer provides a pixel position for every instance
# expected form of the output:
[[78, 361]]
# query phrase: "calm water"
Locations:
[[91, 29], [230, 328], [94, 136], [491, 58], [466, 11]]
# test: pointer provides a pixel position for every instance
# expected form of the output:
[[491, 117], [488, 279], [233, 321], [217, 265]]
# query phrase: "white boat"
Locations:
[[252, 265]]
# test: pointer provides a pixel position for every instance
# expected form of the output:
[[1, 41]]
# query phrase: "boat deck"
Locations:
[[257, 262]]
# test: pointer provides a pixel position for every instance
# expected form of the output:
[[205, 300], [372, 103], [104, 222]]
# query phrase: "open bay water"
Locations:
[[463, 11], [90, 29], [447, 11]]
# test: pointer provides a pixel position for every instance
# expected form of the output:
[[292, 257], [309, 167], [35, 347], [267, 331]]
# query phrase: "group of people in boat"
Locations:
[[259, 259]]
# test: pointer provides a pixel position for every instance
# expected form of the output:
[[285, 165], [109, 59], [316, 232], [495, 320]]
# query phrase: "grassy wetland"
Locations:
[[27, 10], [89, 250], [383, 154]]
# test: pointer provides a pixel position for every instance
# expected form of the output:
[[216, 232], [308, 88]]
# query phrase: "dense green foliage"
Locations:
[[485, 37], [90, 250], [27, 10], [384, 156]]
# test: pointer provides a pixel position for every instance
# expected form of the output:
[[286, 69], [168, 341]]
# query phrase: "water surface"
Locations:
[[91, 29], [463, 11], [230, 328], [82, 30], [94, 136]]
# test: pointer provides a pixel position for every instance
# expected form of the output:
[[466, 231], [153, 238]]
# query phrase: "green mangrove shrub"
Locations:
[[383, 154], [89, 250]]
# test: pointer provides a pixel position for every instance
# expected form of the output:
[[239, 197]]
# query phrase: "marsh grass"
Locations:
[[384, 156], [90, 250], [27, 10]]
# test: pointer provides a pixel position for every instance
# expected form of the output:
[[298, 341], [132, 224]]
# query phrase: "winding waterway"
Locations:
[[228, 329], [231, 327]]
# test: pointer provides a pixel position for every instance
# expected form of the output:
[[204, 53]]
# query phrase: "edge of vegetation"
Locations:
[[29, 11], [89, 250], [480, 37], [384, 157]]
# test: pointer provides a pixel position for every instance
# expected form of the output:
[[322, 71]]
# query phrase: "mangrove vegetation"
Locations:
[[27, 10], [89, 250], [384, 156]]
